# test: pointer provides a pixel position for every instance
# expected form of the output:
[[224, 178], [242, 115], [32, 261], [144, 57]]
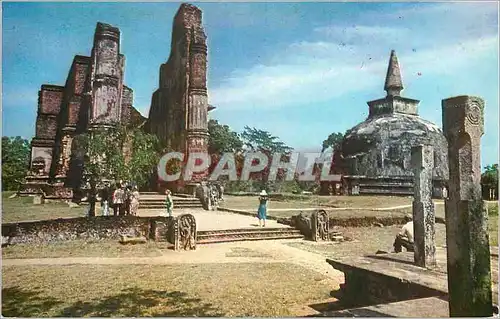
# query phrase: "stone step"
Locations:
[[246, 234], [385, 191], [234, 239], [245, 230], [388, 184], [175, 200], [145, 206]]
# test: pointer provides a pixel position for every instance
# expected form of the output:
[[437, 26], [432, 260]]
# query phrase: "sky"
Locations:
[[298, 70]]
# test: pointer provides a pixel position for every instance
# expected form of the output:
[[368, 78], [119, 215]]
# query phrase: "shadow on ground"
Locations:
[[131, 302]]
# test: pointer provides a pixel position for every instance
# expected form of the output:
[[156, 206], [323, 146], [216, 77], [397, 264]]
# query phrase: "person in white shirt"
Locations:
[[405, 236]]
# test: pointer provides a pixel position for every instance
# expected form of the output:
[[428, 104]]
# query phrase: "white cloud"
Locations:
[[308, 76], [356, 33], [342, 59]]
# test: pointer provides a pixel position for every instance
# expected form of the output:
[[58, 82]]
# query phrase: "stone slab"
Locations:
[[431, 307], [401, 266]]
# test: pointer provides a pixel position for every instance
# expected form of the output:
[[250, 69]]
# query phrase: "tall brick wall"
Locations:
[[179, 108], [94, 95]]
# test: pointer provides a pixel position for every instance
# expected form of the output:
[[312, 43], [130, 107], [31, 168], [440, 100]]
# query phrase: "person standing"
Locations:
[[105, 200], [169, 202], [118, 201], [262, 210], [134, 201], [127, 200]]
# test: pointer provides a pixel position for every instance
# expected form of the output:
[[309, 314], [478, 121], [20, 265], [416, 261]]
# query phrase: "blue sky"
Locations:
[[298, 70]]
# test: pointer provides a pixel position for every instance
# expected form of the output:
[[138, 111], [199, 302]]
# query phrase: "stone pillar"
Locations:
[[185, 233], [467, 242], [424, 217], [107, 69], [320, 224], [197, 117]]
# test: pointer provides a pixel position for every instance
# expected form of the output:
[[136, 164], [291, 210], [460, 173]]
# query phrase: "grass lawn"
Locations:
[[364, 240], [22, 209], [81, 248], [166, 290], [249, 202]]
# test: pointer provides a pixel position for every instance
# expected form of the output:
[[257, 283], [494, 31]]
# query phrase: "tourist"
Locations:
[[134, 201], [127, 199], [118, 201], [91, 198], [105, 194], [220, 189], [262, 210], [169, 202], [405, 236]]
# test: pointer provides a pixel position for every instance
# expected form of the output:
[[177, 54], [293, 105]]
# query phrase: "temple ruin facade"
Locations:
[[94, 96], [375, 155], [178, 115]]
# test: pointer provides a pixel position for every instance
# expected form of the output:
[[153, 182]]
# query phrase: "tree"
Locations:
[[222, 139], [259, 140], [262, 141], [144, 157], [333, 141], [115, 154], [489, 180], [15, 161]]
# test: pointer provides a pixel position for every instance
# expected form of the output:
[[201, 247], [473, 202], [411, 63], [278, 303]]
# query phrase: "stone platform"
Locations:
[[393, 277], [431, 307]]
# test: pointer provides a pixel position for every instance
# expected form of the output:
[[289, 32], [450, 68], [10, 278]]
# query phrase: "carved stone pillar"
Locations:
[[185, 232], [424, 217], [469, 274], [320, 225]]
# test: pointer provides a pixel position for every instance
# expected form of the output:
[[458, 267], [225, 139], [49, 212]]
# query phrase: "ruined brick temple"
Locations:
[[179, 107], [93, 96], [376, 154]]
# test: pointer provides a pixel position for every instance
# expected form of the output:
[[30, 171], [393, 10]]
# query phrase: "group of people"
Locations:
[[123, 199]]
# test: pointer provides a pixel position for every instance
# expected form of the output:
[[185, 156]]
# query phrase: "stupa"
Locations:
[[376, 153]]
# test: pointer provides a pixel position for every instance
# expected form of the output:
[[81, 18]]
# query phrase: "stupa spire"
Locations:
[[393, 82]]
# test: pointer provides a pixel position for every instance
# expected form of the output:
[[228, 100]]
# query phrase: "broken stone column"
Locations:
[[467, 242], [424, 217]]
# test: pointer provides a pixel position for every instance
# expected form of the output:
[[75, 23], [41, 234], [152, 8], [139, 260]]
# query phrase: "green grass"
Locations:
[[22, 209], [81, 248], [162, 290]]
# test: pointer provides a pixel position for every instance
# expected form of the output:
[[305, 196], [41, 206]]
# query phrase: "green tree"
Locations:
[[15, 161], [259, 140], [262, 141], [144, 157], [333, 141], [222, 139], [489, 180], [114, 154]]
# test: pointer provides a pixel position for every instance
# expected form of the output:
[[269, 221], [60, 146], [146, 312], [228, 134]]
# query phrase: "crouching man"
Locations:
[[405, 236]]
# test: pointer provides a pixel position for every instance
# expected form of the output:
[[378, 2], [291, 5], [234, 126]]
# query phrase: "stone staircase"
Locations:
[[246, 234], [149, 200]]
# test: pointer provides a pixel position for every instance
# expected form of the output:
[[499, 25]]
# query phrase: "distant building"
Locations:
[[375, 156], [93, 96]]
